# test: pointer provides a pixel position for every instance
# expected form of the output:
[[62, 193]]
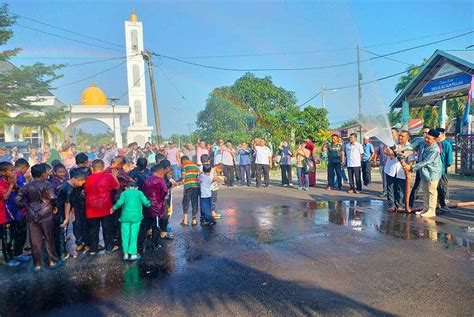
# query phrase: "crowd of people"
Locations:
[[128, 192], [429, 157]]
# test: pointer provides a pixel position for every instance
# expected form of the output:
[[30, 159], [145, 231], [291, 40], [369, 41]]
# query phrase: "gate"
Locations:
[[464, 154]]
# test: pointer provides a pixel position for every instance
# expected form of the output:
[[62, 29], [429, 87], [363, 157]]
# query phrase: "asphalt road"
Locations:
[[276, 252]]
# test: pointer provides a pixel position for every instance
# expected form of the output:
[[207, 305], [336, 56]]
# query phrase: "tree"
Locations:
[[429, 114], [348, 123], [21, 87], [254, 107], [46, 124], [84, 139]]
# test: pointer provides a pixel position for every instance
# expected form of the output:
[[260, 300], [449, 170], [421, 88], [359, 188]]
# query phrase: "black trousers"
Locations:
[[396, 188], [93, 226], [244, 174], [191, 195], [354, 172], [147, 224], [443, 190], [80, 226], [285, 174], [265, 169], [19, 233], [334, 169], [253, 168], [39, 233], [415, 188], [60, 235], [366, 170], [6, 234], [229, 175]]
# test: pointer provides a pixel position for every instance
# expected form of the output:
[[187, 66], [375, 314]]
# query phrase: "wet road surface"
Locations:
[[271, 254]]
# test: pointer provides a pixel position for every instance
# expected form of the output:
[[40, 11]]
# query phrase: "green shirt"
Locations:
[[446, 156], [132, 201]]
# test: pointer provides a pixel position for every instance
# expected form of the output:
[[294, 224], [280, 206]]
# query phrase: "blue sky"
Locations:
[[202, 28]]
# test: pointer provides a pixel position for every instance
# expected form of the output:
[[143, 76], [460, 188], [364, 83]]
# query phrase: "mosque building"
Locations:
[[94, 105]]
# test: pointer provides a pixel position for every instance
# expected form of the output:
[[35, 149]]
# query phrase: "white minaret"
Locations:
[[139, 131]]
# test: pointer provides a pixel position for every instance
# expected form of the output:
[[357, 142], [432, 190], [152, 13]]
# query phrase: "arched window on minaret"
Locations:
[[134, 40], [136, 75], [138, 111]]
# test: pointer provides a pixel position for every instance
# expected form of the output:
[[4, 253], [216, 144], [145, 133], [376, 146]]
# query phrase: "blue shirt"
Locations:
[[285, 156], [430, 163], [244, 157], [368, 151]]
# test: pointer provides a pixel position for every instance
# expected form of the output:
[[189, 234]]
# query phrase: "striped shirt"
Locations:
[[190, 173]]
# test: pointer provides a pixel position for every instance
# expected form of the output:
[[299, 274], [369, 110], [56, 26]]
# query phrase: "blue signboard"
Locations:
[[445, 85]]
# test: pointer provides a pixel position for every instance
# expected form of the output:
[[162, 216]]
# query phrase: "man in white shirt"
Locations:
[[263, 161], [354, 153], [395, 175], [228, 160]]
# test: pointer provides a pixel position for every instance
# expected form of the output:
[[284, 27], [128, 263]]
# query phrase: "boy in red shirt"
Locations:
[[7, 184], [98, 188]]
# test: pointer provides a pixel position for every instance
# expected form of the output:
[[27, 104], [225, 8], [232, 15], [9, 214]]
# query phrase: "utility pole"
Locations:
[[112, 103], [323, 98], [147, 56], [359, 90], [189, 124], [178, 123]]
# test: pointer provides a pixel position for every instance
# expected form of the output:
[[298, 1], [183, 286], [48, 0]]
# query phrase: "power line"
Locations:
[[389, 58], [310, 99], [89, 77], [172, 83], [136, 82], [66, 30], [317, 51], [375, 80], [99, 61], [313, 67], [68, 38]]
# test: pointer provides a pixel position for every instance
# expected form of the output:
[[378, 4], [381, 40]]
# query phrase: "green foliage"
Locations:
[[85, 139], [21, 86], [255, 108], [348, 123], [429, 114]]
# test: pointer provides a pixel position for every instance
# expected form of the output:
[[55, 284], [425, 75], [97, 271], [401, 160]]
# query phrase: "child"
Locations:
[[205, 181], [38, 198], [155, 190], [64, 205], [215, 172], [132, 201], [79, 202], [98, 189], [58, 177], [7, 185], [217, 179], [189, 175], [19, 218], [141, 172]]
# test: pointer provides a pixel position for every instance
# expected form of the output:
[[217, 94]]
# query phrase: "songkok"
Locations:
[[441, 130], [433, 133]]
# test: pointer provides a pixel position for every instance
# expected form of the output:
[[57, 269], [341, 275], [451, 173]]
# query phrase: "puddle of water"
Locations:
[[371, 217]]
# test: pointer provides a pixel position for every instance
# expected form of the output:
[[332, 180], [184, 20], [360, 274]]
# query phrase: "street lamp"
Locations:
[[112, 103]]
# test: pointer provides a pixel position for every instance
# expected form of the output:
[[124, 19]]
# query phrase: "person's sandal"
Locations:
[[36, 269], [184, 223], [194, 222], [56, 265]]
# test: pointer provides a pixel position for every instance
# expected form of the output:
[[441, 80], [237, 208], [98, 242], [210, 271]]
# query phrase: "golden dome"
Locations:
[[133, 17], [93, 96]]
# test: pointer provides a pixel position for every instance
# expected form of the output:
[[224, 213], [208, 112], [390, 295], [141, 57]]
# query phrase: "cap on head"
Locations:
[[433, 133], [366, 138]]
